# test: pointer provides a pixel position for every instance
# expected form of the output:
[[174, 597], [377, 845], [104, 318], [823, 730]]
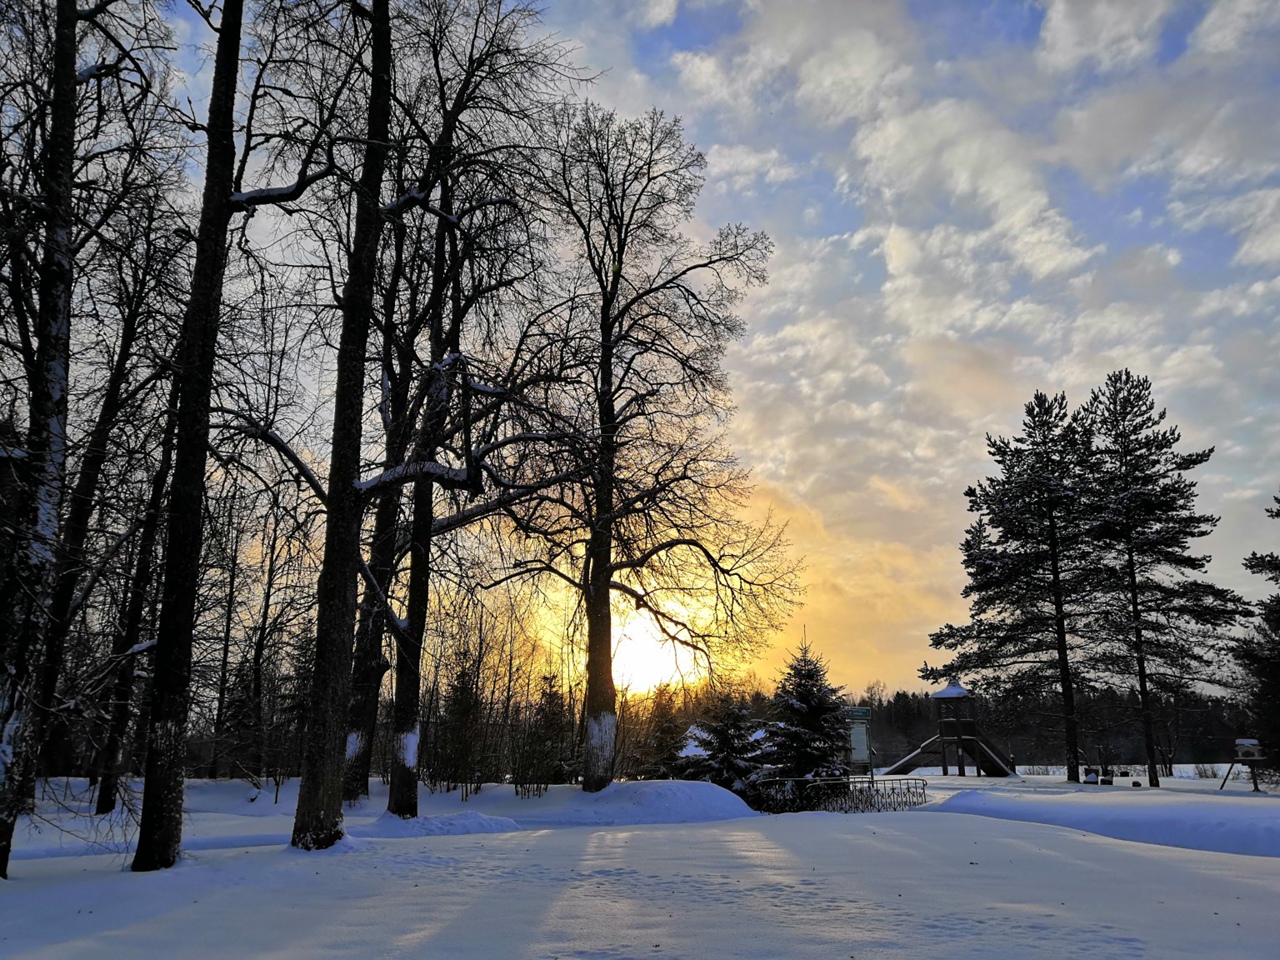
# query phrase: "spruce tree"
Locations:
[[1160, 617], [809, 736], [664, 738], [1031, 569], [726, 743]]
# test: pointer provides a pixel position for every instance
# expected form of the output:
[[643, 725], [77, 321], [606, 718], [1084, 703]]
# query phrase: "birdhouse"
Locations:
[[1248, 751]]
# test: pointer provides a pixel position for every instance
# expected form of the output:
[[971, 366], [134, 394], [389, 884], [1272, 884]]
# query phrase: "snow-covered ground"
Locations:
[[989, 869]]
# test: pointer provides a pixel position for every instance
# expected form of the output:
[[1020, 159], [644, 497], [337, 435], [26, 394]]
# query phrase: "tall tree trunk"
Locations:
[[228, 615], [26, 592], [403, 798], [130, 632], [370, 664], [444, 342], [601, 706], [1144, 692], [318, 821], [160, 832], [1066, 681]]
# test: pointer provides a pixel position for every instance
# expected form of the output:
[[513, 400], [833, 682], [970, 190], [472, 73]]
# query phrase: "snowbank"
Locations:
[[1230, 823]]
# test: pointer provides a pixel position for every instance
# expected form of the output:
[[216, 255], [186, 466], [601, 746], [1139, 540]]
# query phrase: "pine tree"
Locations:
[[1030, 567], [1161, 618], [1267, 564], [809, 736], [726, 744], [1259, 657]]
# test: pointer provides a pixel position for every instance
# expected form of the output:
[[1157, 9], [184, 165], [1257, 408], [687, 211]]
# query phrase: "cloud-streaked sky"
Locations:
[[971, 200]]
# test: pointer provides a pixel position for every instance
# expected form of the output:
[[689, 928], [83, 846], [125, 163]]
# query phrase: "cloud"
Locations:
[[1199, 131], [952, 156], [739, 167], [1233, 25], [1240, 299], [1254, 216], [1108, 35], [853, 76], [658, 13]]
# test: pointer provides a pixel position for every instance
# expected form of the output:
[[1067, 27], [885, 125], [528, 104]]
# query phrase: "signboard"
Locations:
[[859, 739]]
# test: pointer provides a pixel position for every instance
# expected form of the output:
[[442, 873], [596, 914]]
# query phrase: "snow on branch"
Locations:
[[105, 68], [99, 8], [285, 193], [403, 473], [417, 198]]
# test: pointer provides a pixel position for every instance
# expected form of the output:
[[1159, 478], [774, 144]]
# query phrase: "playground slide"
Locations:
[[981, 753]]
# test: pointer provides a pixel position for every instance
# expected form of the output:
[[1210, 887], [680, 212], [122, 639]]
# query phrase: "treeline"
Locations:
[[382, 338], [1192, 727], [1083, 580]]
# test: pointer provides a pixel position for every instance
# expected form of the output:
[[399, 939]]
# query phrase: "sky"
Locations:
[[970, 201]]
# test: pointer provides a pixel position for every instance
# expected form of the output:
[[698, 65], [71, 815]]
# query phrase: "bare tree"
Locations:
[[318, 821], [653, 518], [284, 35], [76, 158]]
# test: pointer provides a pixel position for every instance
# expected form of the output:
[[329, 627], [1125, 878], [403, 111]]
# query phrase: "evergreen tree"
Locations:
[[1259, 656], [543, 749], [809, 736], [1267, 564], [1031, 568], [664, 738], [726, 742], [1159, 615]]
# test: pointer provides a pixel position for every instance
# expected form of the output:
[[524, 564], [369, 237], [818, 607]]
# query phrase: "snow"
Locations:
[[409, 750], [952, 691], [1033, 867], [1227, 824]]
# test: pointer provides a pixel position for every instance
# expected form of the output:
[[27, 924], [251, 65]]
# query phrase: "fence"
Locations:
[[840, 794]]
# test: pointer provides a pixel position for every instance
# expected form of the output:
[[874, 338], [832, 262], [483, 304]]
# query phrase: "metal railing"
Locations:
[[840, 794]]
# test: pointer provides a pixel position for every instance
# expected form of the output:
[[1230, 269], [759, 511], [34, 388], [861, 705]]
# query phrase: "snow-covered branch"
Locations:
[[450, 477], [285, 193]]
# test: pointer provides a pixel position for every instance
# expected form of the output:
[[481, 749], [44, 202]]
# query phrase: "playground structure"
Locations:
[[958, 737]]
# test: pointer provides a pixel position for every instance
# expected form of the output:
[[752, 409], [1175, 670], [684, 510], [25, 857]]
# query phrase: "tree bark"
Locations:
[[601, 696], [26, 594], [160, 832], [1144, 692], [370, 664], [403, 798], [1070, 728], [318, 821]]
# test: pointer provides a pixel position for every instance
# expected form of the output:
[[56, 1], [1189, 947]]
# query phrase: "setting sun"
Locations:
[[642, 660]]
